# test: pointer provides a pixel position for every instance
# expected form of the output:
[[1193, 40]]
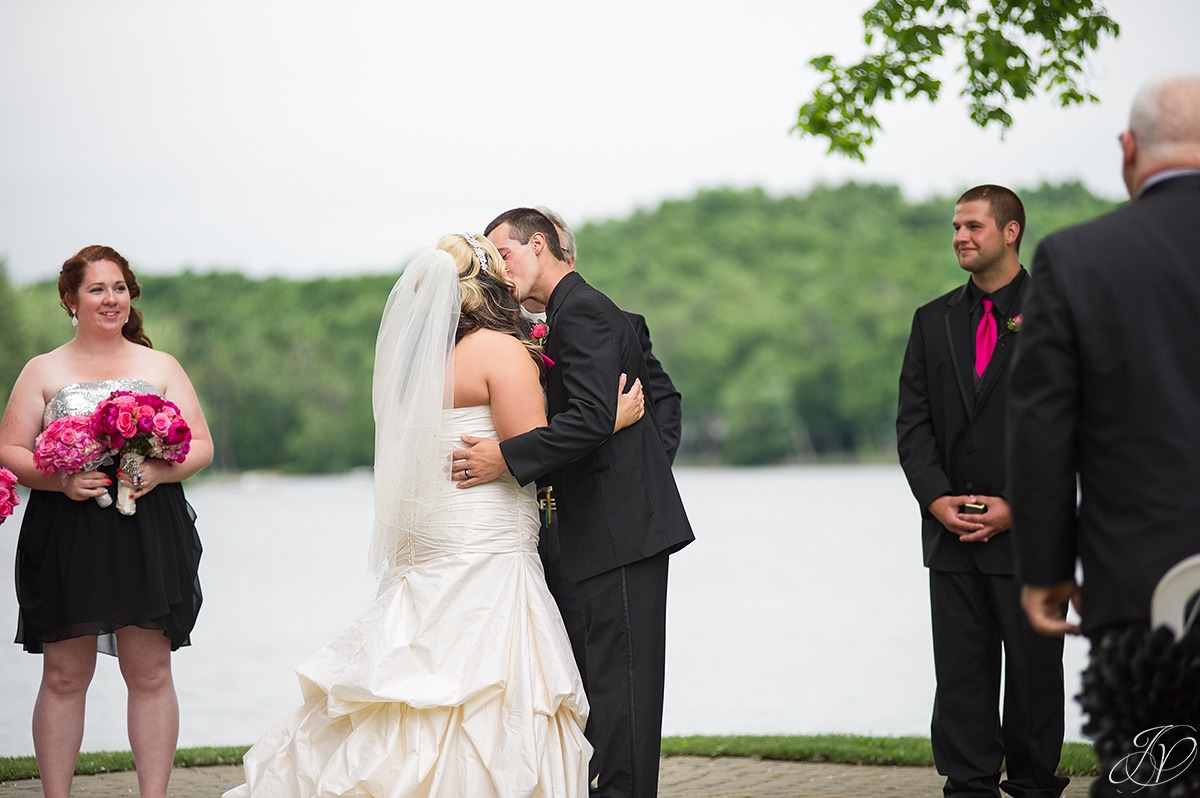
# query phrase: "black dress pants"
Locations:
[[975, 617], [625, 611]]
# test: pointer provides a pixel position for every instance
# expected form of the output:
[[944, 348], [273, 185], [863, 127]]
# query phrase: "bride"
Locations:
[[458, 680]]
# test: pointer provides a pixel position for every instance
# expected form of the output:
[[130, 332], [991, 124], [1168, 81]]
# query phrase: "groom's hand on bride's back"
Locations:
[[481, 463]]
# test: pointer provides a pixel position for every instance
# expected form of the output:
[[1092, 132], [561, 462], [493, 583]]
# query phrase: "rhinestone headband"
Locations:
[[479, 253]]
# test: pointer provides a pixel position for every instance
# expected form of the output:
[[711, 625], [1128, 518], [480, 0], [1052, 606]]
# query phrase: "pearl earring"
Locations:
[[74, 319]]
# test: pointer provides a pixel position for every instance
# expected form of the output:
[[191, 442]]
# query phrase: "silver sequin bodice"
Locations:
[[81, 398]]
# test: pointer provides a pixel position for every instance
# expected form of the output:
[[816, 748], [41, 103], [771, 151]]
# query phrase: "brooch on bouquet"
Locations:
[[8, 493], [137, 426], [70, 445]]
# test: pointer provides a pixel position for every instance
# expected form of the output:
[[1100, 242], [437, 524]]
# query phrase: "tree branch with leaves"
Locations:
[[1011, 50]]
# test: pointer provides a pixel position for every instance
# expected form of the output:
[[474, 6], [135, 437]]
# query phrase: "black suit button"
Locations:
[[970, 486]]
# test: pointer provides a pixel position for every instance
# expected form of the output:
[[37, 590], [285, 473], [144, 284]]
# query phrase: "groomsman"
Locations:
[[951, 439], [1106, 397], [667, 405]]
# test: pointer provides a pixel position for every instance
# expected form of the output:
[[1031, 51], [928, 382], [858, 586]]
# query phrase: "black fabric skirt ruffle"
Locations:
[[86, 570]]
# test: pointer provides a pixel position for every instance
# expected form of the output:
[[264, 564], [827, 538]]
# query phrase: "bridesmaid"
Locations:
[[89, 578]]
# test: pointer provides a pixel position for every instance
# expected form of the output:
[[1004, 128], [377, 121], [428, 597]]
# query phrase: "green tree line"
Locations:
[[782, 321]]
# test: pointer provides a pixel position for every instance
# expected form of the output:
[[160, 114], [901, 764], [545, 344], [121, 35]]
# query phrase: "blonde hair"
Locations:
[[487, 293]]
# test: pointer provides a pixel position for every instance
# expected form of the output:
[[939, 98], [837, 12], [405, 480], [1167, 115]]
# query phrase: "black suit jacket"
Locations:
[[617, 499], [667, 402], [951, 442], [1106, 389]]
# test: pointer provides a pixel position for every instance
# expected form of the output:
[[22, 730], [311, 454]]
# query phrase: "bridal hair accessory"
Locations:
[[479, 253]]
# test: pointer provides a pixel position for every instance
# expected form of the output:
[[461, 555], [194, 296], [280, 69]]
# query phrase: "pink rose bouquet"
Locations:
[[137, 426], [143, 423], [8, 493], [70, 445]]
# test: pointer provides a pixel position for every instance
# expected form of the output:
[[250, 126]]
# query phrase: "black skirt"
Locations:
[[86, 570]]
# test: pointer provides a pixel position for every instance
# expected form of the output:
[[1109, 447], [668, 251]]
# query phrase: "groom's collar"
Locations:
[[564, 287]]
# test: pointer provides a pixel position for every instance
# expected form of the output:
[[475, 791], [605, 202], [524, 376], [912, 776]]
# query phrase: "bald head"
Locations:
[[1164, 129]]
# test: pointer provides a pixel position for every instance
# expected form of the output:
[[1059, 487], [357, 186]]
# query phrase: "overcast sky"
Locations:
[[308, 138]]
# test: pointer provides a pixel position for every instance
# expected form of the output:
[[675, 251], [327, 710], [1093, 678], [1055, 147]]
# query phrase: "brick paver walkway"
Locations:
[[681, 777]]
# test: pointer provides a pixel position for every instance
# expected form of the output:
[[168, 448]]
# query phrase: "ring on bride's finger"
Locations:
[[466, 473]]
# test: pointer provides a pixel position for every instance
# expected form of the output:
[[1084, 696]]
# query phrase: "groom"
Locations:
[[620, 514]]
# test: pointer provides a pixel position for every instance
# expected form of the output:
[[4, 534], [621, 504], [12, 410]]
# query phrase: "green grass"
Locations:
[[840, 748], [846, 749], [24, 767]]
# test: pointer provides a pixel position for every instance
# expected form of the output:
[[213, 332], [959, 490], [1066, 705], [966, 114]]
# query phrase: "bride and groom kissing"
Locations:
[[459, 678]]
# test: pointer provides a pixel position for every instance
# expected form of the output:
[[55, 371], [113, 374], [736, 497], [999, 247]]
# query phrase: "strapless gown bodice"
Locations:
[[81, 398], [496, 517]]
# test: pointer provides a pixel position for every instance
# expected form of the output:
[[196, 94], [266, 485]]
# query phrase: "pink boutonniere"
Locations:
[[1014, 324], [539, 334]]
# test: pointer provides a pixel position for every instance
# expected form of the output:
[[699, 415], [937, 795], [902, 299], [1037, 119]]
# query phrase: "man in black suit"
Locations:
[[668, 410], [619, 509], [1106, 389], [951, 440]]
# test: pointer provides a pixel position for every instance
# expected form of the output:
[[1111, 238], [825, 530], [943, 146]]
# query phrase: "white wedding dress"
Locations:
[[457, 681]]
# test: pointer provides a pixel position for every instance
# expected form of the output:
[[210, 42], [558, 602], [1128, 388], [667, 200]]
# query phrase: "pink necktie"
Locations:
[[985, 338]]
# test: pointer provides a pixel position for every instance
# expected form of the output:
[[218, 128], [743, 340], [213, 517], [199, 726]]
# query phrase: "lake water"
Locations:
[[801, 608]]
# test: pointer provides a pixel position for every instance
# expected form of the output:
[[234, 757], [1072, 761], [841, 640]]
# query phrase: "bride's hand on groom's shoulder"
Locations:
[[480, 463]]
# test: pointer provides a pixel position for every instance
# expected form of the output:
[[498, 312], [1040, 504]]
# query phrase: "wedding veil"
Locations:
[[413, 385]]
